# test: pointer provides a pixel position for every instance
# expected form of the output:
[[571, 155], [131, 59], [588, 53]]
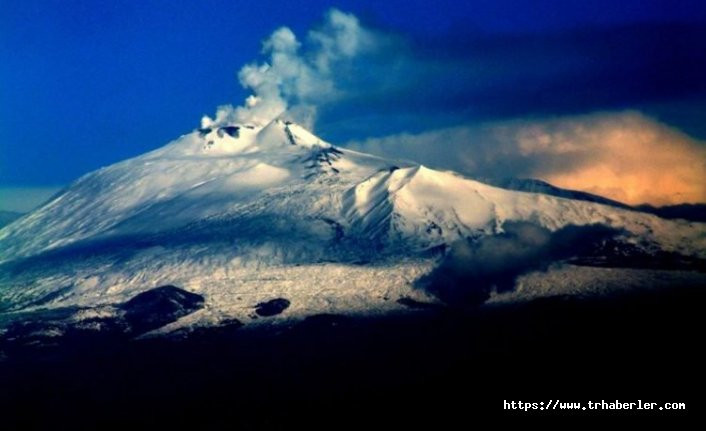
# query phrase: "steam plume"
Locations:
[[297, 76]]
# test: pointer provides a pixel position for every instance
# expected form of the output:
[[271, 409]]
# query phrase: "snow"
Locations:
[[251, 213], [569, 280]]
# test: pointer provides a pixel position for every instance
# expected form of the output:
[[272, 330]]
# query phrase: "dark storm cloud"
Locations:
[[581, 69], [416, 84]]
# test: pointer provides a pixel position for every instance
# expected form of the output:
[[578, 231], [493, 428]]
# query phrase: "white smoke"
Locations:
[[297, 76]]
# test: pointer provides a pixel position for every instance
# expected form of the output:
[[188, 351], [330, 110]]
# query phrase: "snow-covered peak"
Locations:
[[278, 136], [201, 174]]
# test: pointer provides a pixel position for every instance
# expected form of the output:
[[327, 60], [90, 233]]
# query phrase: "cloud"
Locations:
[[298, 76], [465, 77], [625, 156], [356, 81]]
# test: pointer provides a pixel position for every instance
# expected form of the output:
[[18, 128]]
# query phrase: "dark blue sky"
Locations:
[[87, 83]]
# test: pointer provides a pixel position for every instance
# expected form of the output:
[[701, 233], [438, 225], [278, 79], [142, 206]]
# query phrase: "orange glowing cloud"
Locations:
[[625, 156]]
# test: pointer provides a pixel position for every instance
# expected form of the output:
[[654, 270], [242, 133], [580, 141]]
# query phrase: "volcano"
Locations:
[[245, 215]]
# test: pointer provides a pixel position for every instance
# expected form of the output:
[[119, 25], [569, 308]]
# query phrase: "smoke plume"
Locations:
[[471, 270], [298, 76]]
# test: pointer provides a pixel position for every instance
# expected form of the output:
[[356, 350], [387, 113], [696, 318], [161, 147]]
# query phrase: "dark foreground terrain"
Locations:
[[437, 368]]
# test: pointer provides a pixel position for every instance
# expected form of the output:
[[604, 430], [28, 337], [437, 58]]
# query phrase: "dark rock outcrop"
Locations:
[[272, 307], [159, 306]]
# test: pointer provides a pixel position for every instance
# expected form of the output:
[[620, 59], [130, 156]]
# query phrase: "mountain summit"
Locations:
[[242, 214]]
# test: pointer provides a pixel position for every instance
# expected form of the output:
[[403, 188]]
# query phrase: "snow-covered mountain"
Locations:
[[241, 214]]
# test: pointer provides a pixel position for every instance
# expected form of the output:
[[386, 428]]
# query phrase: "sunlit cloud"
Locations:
[[624, 156]]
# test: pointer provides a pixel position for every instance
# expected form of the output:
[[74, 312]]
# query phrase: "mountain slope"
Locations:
[[691, 212], [242, 214]]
